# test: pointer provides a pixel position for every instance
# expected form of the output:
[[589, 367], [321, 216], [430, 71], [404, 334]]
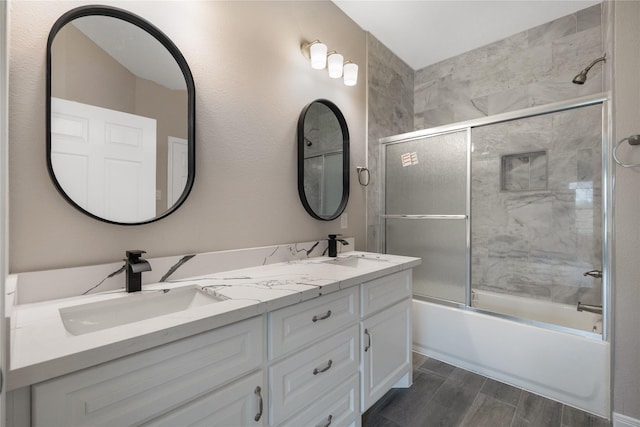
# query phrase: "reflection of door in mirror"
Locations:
[[323, 160], [109, 63], [105, 159], [177, 169]]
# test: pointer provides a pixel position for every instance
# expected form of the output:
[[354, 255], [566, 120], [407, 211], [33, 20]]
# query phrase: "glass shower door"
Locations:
[[426, 210], [537, 206]]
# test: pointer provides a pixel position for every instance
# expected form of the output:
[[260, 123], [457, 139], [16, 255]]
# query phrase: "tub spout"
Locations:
[[590, 308]]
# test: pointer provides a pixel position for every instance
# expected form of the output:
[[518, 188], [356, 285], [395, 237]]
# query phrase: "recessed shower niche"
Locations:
[[523, 172]]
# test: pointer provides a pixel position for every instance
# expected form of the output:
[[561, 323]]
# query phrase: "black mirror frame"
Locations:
[[345, 160], [191, 98]]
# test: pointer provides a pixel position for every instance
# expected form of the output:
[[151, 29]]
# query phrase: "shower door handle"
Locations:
[[594, 273]]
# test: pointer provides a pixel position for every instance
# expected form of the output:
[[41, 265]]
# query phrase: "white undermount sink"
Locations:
[[349, 260], [134, 307]]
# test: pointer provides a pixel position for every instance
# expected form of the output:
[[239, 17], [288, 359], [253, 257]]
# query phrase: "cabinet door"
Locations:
[[240, 404], [386, 351]]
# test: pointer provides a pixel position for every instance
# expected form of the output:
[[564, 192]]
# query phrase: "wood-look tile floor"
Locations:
[[445, 396]]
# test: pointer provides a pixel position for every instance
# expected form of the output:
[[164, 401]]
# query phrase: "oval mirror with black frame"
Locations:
[[120, 116], [323, 160]]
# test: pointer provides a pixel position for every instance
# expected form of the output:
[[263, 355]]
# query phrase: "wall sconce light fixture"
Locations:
[[350, 72], [335, 61], [316, 51]]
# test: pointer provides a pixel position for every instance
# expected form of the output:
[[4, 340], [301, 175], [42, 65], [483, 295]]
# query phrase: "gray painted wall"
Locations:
[[4, 144], [626, 92], [251, 85]]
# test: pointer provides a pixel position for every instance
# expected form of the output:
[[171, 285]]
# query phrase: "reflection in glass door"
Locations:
[[426, 210]]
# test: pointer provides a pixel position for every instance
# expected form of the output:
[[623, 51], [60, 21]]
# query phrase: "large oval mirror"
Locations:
[[323, 160], [120, 116]]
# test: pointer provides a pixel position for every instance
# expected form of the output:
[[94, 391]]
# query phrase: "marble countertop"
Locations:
[[41, 348]]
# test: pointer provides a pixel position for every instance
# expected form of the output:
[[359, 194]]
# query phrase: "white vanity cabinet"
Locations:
[[386, 336], [321, 362], [178, 379], [314, 361]]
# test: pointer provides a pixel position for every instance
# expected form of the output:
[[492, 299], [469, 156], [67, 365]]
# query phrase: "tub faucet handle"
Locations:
[[594, 273]]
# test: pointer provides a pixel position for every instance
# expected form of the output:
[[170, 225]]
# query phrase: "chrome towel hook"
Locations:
[[360, 170], [633, 140]]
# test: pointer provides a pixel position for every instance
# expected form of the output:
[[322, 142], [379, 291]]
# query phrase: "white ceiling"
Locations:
[[423, 32]]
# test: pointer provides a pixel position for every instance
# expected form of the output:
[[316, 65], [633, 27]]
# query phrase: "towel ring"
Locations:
[[361, 169], [633, 140]]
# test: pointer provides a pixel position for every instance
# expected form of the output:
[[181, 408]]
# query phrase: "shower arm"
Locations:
[[603, 58]]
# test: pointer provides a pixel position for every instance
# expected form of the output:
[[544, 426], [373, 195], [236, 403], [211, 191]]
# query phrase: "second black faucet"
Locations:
[[134, 268], [333, 244]]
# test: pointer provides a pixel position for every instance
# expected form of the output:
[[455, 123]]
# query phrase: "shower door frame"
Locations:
[[604, 99], [466, 216]]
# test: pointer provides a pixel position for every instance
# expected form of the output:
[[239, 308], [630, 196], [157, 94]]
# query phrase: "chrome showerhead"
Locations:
[[582, 76]]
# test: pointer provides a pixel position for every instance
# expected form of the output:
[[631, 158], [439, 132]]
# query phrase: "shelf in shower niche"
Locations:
[[524, 171]]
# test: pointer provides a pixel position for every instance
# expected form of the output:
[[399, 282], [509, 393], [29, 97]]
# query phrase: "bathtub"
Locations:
[[572, 368]]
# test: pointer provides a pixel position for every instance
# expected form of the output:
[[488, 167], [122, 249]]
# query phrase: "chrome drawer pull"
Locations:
[[324, 316], [258, 391], [328, 423], [317, 371], [366, 332]]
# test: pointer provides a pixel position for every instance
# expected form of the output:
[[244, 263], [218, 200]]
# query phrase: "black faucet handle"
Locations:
[[134, 254]]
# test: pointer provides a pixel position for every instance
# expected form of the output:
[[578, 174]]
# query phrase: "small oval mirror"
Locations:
[[120, 116], [323, 160]]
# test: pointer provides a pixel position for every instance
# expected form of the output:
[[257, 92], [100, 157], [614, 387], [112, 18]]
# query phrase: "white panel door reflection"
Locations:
[[105, 160], [177, 169]]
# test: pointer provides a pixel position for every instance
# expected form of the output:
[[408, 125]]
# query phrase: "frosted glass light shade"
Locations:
[[318, 53], [350, 74], [335, 65]]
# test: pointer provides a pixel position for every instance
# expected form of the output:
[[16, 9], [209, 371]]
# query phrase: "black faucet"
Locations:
[[333, 244], [134, 268]]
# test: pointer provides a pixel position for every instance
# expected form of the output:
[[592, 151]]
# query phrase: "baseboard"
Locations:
[[620, 420]]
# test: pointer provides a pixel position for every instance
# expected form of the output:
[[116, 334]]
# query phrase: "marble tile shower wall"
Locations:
[[538, 243], [390, 112], [534, 67]]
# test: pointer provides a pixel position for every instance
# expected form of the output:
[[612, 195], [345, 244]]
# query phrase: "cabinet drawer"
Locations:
[[135, 388], [293, 327], [341, 407], [385, 291], [304, 377], [237, 404]]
